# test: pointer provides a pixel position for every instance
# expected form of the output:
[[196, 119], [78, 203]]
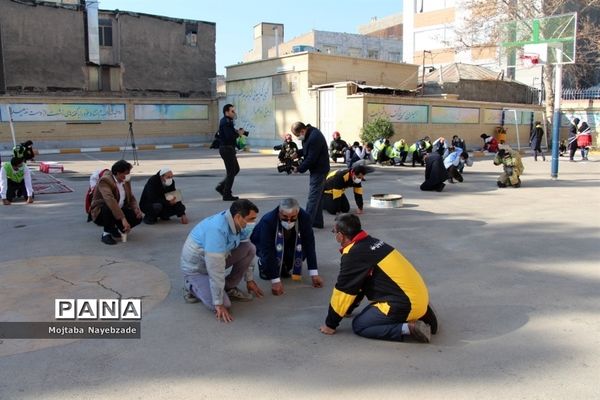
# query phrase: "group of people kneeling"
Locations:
[[279, 244]]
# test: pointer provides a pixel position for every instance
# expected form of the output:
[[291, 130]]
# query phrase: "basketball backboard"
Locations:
[[549, 40]]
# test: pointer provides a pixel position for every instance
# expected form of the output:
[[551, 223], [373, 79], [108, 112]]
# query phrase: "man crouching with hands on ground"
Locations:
[[399, 300], [216, 243]]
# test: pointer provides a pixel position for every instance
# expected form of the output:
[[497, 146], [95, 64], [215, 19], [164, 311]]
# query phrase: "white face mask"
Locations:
[[168, 182], [248, 228], [301, 137], [288, 225], [356, 180], [127, 178]]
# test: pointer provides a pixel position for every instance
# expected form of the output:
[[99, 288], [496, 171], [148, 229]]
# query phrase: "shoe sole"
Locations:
[[188, 297], [421, 332]]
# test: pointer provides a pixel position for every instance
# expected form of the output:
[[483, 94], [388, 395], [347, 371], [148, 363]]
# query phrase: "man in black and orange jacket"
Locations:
[[371, 268]]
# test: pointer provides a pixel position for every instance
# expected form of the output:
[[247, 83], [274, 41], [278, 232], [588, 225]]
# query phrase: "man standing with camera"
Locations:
[[228, 136]]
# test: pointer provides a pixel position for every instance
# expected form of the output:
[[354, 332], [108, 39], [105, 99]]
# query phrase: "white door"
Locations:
[[327, 112]]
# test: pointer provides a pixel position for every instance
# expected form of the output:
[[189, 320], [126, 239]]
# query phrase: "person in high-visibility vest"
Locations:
[[15, 181]]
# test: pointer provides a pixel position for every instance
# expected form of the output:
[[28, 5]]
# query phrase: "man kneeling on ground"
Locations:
[[215, 244], [156, 202], [371, 268], [284, 238], [15, 181], [113, 205]]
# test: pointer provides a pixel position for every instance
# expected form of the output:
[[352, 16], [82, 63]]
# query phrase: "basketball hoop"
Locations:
[[530, 60]]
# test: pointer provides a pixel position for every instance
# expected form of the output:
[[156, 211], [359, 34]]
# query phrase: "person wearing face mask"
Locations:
[[284, 238], [316, 160], [154, 202], [398, 297], [334, 198], [114, 206], [15, 181], [215, 244]]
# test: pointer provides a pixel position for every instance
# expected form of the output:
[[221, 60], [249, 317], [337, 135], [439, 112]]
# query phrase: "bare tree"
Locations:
[[484, 20]]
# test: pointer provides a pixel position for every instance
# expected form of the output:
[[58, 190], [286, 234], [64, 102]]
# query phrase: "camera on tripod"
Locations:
[[288, 166]]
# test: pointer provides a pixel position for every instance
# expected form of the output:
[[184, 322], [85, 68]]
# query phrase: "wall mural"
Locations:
[[494, 117], [592, 117], [454, 115], [64, 112], [399, 113], [170, 111], [253, 100]]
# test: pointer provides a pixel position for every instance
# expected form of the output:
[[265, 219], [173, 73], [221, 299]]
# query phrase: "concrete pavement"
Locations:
[[513, 274]]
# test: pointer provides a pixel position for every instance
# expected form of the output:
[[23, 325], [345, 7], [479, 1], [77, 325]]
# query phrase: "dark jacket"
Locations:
[[315, 152], [337, 148], [227, 133], [154, 192], [263, 237]]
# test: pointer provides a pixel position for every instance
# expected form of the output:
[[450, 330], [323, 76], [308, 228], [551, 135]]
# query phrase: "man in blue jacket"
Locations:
[[316, 160], [283, 239]]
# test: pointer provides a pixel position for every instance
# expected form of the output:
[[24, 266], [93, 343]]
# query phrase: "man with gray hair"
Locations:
[[284, 238]]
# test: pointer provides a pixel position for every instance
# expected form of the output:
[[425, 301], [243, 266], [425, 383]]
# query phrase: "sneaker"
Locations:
[[219, 189], [188, 296], [500, 184], [149, 220], [114, 232], [236, 294], [108, 239], [420, 331]]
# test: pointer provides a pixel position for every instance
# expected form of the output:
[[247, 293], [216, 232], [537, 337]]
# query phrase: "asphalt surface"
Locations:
[[513, 274]]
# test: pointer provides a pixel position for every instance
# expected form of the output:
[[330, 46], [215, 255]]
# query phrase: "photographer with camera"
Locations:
[[288, 155], [228, 136]]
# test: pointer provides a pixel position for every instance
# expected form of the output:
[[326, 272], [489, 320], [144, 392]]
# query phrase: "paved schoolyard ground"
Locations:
[[513, 274]]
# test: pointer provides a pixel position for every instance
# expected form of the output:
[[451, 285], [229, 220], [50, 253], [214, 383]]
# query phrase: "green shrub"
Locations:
[[377, 128]]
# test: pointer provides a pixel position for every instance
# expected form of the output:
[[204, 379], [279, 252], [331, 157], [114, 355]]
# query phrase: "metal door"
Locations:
[[327, 112]]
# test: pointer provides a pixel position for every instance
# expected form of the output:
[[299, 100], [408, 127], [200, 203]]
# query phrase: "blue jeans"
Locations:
[[314, 205], [373, 324]]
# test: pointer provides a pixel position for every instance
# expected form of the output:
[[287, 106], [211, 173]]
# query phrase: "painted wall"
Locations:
[[54, 123]]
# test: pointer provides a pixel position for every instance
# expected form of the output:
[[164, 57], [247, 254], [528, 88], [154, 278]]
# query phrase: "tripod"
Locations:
[[131, 138]]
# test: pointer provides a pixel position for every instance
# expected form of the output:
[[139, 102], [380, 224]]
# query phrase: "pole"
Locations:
[[10, 123], [423, 76], [556, 115]]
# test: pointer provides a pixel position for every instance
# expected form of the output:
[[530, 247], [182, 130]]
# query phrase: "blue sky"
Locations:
[[235, 19]]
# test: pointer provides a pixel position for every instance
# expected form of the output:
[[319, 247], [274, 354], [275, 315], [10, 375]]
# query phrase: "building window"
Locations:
[[191, 35], [373, 54], [105, 32], [395, 57], [354, 52], [329, 49]]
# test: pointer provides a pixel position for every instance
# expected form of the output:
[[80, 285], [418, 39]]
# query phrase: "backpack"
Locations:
[[216, 142], [90, 194]]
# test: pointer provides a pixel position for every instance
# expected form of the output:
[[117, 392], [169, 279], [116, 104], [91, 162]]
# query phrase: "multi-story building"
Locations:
[[269, 42], [86, 73]]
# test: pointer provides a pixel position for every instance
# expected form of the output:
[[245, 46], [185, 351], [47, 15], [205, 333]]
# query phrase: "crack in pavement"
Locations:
[[99, 282], [109, 262], [62, 279]]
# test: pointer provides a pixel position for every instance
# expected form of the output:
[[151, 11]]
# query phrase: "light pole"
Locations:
[[423, 76]]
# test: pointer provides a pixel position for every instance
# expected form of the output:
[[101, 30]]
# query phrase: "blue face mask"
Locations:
[[247, 231]]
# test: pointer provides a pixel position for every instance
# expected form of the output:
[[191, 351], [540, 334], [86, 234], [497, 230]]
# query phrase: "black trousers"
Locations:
[[14, 189], [158, 210], [332, 206], [110, 223], [232, 168], [454, 174]]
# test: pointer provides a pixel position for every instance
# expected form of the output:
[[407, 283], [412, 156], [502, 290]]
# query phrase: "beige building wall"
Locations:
[[67, 134], [352, 113]]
